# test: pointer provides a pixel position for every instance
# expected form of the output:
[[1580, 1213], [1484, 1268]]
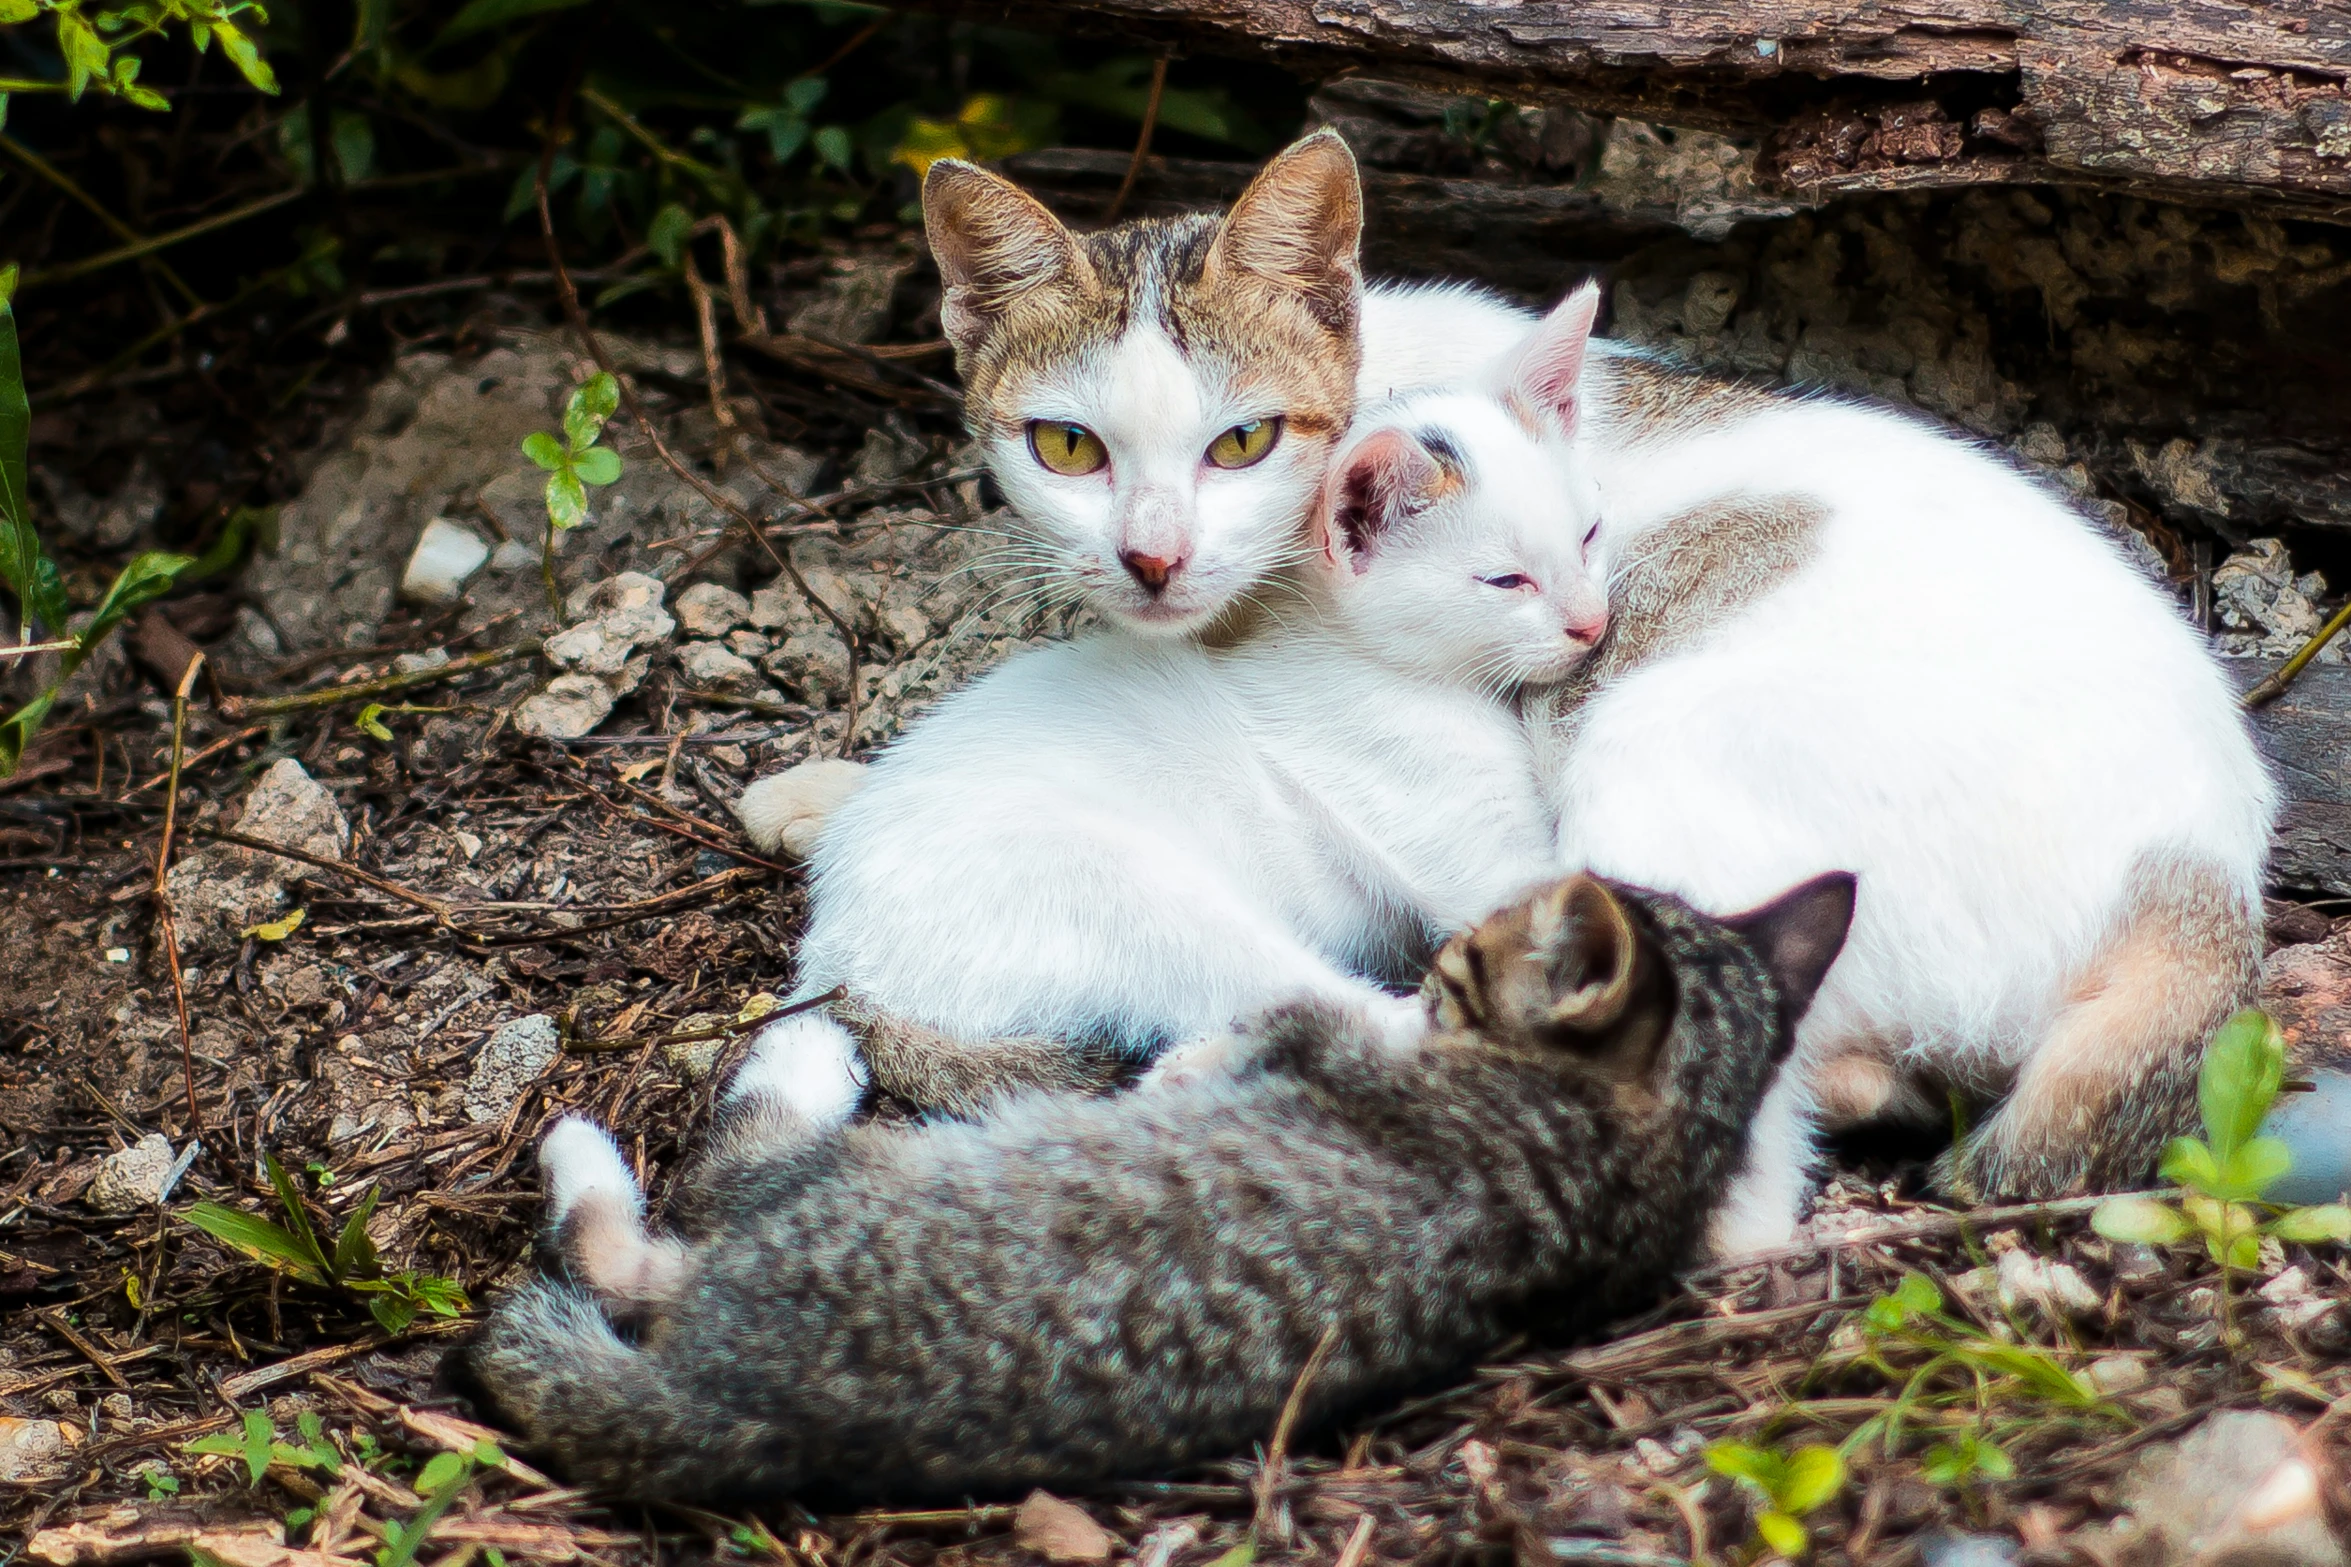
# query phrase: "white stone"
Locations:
[[773, 608], [446, 554], [34, 1449], [2225, 1493], [628, 603], [785, 811], [512, 556], [570, 706], [507, 1063], [712, 666], [708, 610], [2057, 1288], [132, 1179]]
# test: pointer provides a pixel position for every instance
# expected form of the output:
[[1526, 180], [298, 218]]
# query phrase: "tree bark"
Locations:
[[2235, 102]]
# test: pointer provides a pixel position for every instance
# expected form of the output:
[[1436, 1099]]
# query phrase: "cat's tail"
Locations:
[[555, 1370]]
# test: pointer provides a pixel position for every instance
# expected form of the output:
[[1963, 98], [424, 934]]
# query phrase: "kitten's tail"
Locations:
[[555, 1370]]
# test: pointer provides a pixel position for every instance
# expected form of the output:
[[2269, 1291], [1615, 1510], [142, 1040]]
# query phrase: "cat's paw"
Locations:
[[580, 1161], [807, 1066], [1199, 1059], [785, 812]]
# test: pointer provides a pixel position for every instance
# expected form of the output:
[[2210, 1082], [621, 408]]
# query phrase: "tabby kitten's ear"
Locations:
[[1299, 226], [994, 243], [1798, 935]]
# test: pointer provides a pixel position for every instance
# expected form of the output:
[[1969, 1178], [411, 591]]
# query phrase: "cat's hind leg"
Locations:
[[596, 1222], [801, 1082], [2115, 1075]]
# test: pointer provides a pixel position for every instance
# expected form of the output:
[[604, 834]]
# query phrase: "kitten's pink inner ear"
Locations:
[[993, 242], [1299, 225], [1374, 486], [1550, 365]]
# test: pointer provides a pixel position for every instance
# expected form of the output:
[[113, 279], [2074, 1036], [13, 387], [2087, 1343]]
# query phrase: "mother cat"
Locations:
[[2059, 844]]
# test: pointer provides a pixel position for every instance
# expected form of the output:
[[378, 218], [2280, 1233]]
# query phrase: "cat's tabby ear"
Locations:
[[1299, 226], [1542, 376], [1377, 483], [1591, 949], [993, 242], [1798, 935]]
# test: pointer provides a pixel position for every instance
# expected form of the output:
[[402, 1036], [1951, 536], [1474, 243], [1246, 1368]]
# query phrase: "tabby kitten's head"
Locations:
[[1158, 401]]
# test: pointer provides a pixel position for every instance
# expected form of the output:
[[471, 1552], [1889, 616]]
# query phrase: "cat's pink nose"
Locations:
[[1587, 631], [1152, 571]]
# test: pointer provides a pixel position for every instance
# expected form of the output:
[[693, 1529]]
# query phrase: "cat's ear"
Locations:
[[1799, 934], [1591, 950], [1542, 376], [1376, 484], [993, 242], [1299, 226]]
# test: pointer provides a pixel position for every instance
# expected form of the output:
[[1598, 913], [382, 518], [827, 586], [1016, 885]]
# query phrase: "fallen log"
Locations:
[[2306, 734], [2240, 103]]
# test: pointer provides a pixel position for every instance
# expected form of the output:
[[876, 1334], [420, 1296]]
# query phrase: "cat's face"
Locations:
[[1456, 528], [1158, 402]]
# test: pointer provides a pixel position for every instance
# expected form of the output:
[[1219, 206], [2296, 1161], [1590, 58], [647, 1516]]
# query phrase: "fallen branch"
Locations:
[[237, 709]]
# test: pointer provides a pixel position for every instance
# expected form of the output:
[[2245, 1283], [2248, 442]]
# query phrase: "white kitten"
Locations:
[[1846, 640], [1140, 841]]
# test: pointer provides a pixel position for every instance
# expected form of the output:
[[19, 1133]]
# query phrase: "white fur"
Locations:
[[579, 1161], [1143, 840], [806, 1065], [1967, 697], [782, 812]]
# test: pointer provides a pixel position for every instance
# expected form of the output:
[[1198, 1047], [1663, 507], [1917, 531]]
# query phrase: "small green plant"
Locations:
[[96, 45], [256, 1441], [394, 1299], [573, 462], [442, 1480], [1788, 1485], [160, 1482], [2226, 1171], [1965, 1459]]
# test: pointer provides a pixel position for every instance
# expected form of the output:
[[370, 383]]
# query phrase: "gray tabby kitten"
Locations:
[[1087, 1287]]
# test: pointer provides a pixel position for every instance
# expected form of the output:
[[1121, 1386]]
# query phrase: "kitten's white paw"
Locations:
[[807, 1065], [1196, 1060], [785, 811], [579, 1160], [1399, 1022]]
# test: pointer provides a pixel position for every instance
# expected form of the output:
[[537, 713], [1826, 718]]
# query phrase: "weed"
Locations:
[[394, 1299], [573, 463], [2226, 1171], [442, 1480], [1789, 1485], [256, 1441]]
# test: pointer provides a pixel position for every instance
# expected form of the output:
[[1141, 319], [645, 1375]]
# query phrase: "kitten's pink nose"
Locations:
[[1152, 571], [1587, 631]]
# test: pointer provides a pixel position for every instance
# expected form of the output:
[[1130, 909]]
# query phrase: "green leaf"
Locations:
[[591, 404], [355, 1254], [545, 450], [392, 1313], [489, 1454], [297, 1214], [2326, 1222], [370, 722], [2255, 1168], [256, 1237], [804, 94], [14, 11], [1240, 1555], [440, 1472], [567, 502], [245, 57], [483, 16], [1758, 1467], [20, 547], [1815, 1475], [275, 930], [1783, 1534], [85, 52], [666, 235], [2240, 1076], [2140, 1220], [442, 1297], [354, 141], [149, 575], [258, 1441], [597, 465], [834, 146], [2188, 1161]]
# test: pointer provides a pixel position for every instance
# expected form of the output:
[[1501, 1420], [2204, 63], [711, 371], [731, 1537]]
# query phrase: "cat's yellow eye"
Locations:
[[1069, 449], [1245, 444]]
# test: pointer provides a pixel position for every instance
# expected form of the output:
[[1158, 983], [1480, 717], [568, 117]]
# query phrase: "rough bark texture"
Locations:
[[2196, 99], [2306, 734]]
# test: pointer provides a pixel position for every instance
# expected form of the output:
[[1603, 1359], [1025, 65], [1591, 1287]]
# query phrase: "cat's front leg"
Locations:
[[1766, 1200]]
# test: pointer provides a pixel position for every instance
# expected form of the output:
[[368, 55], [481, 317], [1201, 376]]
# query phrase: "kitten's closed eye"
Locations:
[[1068, 449], [1509, 580]]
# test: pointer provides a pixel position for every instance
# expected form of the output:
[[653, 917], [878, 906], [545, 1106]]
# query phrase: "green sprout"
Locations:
[[2225, 1172], [256, 1441], [573, 463], [1789, 1486]]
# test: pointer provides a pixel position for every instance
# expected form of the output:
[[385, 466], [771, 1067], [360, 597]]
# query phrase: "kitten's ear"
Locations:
[[1543, 375], [993, 242], [1589, 945], [1377, 483], [1299, 226], [1799, 934]]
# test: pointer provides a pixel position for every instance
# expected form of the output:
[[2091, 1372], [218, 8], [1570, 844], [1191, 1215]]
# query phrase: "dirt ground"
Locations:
[[467, 876]]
